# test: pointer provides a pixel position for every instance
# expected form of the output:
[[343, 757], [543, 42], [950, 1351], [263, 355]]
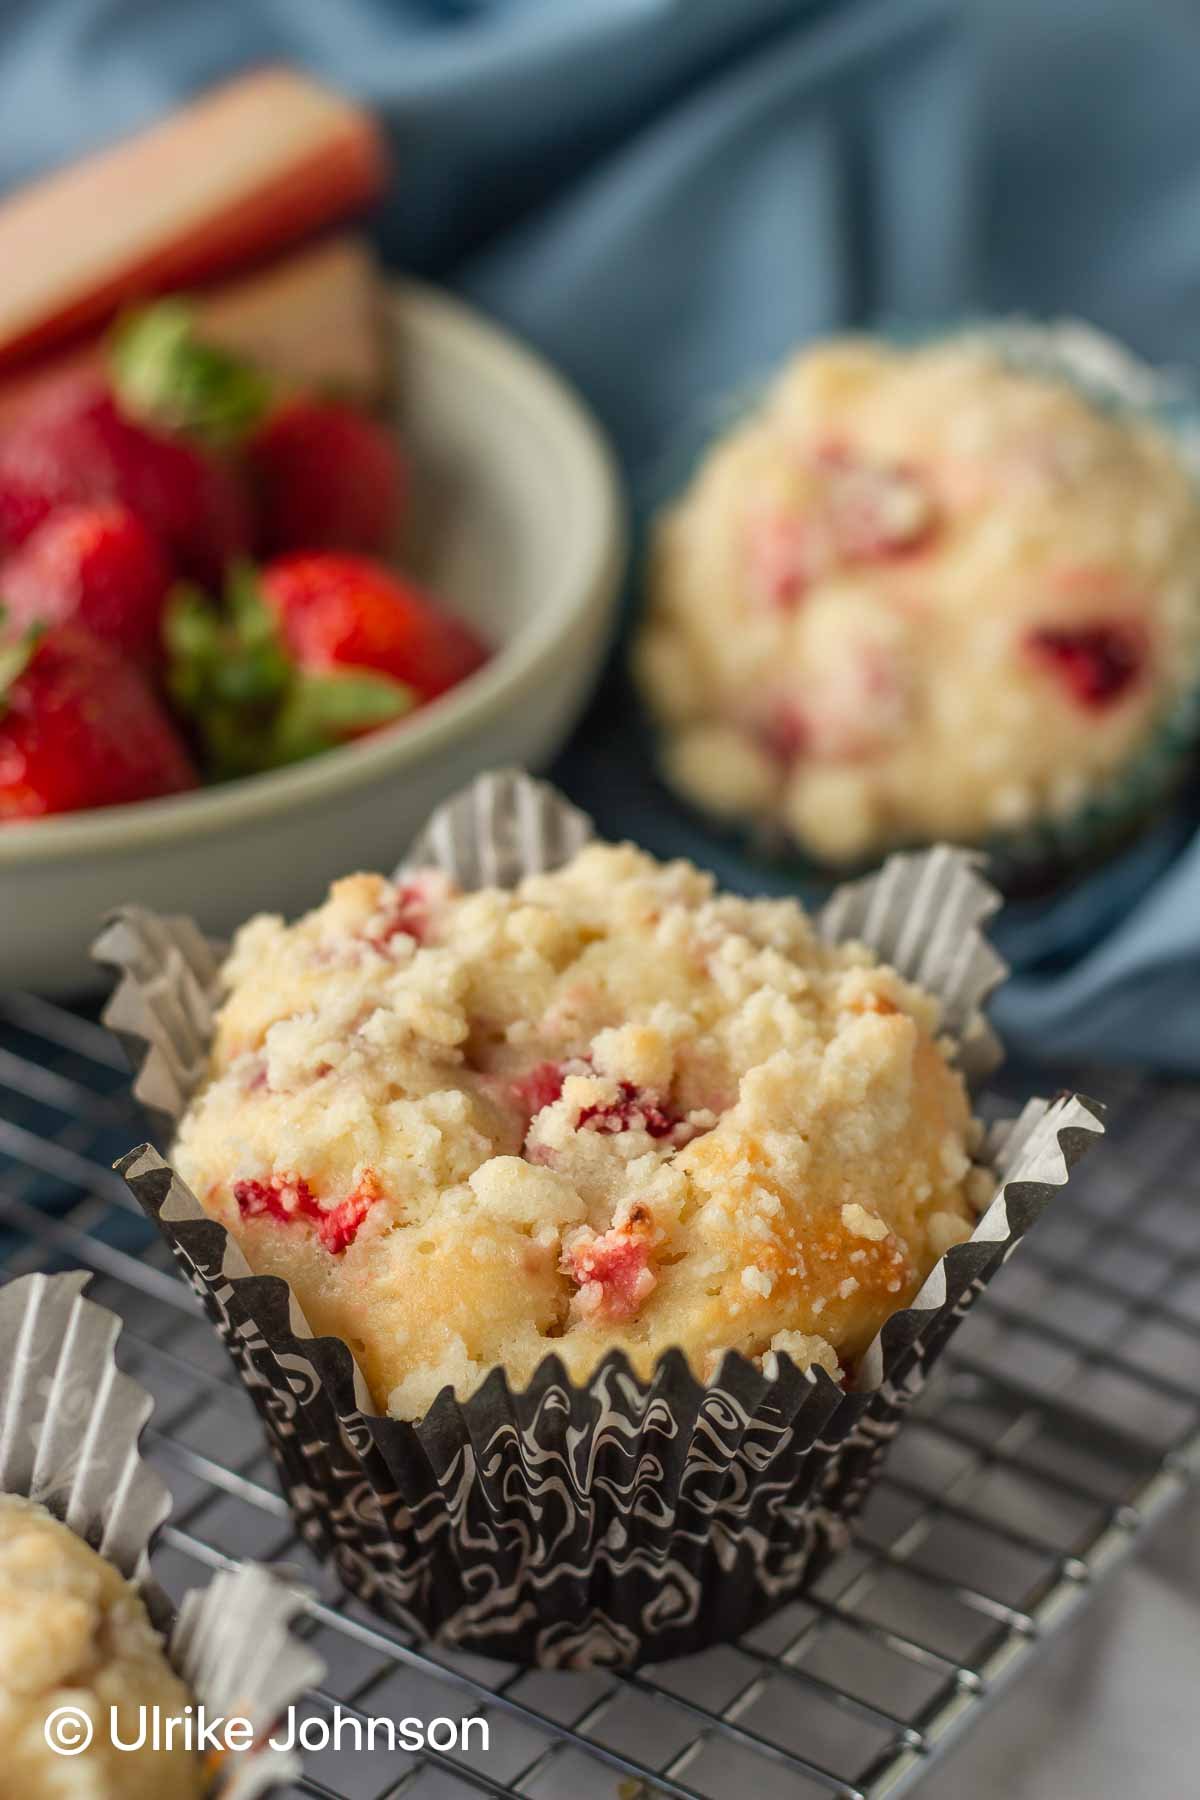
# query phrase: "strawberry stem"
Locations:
[[166, 373], [251, 705], [16, 656]]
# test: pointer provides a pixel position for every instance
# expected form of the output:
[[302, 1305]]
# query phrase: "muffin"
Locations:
[[609, 1109], [79, 1609], [921, 594], [74, 1633], [619, 1221]]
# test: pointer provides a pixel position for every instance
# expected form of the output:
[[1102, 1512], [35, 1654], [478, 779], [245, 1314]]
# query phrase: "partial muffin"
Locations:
[[607, 1109], [74, 1633], [920, 594]]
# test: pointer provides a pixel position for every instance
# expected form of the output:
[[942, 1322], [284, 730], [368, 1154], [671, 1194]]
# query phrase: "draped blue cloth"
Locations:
[[664, 195]]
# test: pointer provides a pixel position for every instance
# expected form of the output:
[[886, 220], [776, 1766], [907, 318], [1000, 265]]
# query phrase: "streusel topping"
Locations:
[[609, 1108]]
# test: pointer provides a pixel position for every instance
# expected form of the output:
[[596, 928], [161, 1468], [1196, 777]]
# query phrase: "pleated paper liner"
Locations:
[[620, 1520], [70, 1425], [1031, 859]]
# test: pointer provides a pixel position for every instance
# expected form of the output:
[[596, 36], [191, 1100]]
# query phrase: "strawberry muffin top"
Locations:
[[74, 1633], [607, 1109], [919, 594]]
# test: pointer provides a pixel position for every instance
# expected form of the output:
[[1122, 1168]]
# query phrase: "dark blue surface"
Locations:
[[665, 194]]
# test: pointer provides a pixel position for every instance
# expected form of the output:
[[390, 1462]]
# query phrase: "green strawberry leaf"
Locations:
[[322, 709], [16, 655], [228, 672], [165, 373], [251, 706]]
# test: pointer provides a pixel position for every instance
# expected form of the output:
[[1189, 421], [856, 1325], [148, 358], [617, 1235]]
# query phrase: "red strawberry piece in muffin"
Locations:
[[80, 727], [784, 731], [540, 1087], [876, 510], [411, 910], [856, 510], [97, 566], [1096, 664], [786, 553], [632, 1110], [290, 1200], [612, 1273]]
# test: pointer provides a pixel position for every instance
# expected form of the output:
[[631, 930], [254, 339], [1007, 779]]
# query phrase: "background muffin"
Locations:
[[74, 1632], [608, 1109], [920, 594]]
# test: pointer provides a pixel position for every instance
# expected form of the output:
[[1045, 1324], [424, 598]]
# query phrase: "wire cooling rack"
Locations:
[[1066, 1422]]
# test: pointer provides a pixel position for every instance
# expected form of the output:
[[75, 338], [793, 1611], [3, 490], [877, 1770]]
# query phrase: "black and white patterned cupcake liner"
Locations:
[[621, 1520], [70, 1427]]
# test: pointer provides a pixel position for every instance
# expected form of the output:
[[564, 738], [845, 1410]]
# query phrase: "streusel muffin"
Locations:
[[609, 1108], [920, 594], [74, 1633]]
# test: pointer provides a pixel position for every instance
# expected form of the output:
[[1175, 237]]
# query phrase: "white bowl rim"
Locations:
[[586, 581]]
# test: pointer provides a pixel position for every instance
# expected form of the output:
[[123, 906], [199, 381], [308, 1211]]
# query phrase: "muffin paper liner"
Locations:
[[1032, 858], [622, 1520], [70, 1425]]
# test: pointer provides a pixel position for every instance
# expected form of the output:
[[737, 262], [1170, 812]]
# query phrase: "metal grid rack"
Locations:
[[1065, 1423]]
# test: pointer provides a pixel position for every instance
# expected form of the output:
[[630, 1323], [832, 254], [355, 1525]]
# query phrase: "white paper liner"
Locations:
[[70, 1425], [624, 1520]]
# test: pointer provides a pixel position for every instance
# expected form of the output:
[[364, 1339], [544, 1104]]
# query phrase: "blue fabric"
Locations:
[[665, 194]]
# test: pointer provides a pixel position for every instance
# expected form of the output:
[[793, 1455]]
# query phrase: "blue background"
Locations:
[[665, 194]]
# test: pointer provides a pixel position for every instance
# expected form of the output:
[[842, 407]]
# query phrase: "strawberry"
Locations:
[[309, 652], [80, 727], [252, 704], [325, 477], [96, 565], [335, 611], [73, 444]]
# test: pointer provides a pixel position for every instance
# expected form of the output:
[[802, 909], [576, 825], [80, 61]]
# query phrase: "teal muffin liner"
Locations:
[[1032, 858]]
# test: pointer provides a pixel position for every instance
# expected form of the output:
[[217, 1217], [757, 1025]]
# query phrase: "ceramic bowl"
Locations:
[[519, 522]]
